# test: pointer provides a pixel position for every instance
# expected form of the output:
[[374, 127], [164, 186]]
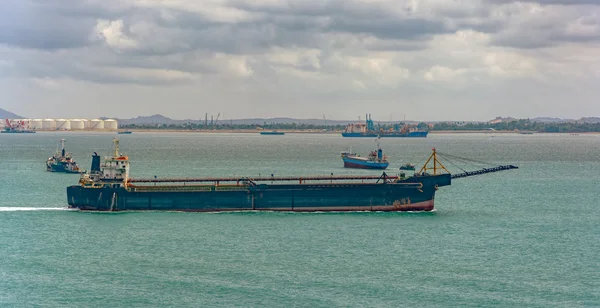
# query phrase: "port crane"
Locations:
[[15, 125], [216, 120]]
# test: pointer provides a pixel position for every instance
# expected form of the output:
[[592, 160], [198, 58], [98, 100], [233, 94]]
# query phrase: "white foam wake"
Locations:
[[15, 209]]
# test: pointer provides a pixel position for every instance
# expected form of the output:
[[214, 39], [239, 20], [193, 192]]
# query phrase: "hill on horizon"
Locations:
[[157, 119], [160, 119], [5, 114]]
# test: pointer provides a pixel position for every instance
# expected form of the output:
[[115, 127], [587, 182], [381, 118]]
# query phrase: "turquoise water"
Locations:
[[520, 238]]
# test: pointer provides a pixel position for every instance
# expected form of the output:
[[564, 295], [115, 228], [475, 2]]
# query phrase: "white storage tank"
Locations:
[[36, 124], [96, 124], [86, 123], [111, 124], [48, 124], [63, 124], [77, 124]]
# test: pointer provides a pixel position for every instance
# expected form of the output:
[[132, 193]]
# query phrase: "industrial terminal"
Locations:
[[62, 124]]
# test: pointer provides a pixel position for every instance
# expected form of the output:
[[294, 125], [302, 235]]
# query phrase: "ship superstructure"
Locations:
[[112, 170]]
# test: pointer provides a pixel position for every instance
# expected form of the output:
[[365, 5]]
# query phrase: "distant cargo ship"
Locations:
[[16, 128], [272, 133], [108, 187], [526, 132], [62, 161], [368, 130]]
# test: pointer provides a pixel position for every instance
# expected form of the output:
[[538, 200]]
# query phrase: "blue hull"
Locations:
[[419, 134], [60, 167], [350, 162], [415, 194], [272, 133], [17, 132]]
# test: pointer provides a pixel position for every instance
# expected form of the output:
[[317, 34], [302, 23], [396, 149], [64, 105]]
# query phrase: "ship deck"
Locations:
[[270, 179]]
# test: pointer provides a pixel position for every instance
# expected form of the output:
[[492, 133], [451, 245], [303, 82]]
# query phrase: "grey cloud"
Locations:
[[98, 66], [548, 26], [183, 62], [83, 9], [549, 2], [176, 39], [311, 28], [346, 17], [532, 39], [56, 24], [522, 40], [27, 25], [391, 29]]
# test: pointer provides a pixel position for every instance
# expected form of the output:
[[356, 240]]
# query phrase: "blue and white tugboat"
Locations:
[[62, 161], [375, 160]]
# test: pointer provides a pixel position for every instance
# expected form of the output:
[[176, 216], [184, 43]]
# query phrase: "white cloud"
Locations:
[[236, 65], [442, 73], [46, 83], [111, 32]]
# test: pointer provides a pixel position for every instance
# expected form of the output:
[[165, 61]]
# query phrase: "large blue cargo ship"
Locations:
[[368, 130], [384, 134], [108, 187]]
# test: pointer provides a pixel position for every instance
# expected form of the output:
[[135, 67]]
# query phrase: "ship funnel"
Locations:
[[62, 146], [95, 163]]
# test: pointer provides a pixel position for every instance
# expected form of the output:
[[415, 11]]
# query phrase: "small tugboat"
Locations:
[[62, 161], [274, 132], [407, 167], [375, 160]]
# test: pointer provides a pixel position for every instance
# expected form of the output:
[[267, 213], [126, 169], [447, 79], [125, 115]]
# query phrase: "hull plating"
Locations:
[[363, 164], [276, 197], [17, 132], [272, 133], [61, 168]]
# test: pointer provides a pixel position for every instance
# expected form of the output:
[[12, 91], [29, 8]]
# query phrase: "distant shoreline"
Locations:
[[251, 131]]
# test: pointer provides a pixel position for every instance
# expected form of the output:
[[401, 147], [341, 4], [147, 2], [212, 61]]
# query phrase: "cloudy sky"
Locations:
[[428, 59]]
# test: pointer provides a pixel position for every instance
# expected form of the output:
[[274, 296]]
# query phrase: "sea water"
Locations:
[[521, 238]]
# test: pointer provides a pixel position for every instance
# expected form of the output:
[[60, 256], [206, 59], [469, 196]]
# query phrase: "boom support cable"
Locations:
[[464, 173], [465, 159]]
